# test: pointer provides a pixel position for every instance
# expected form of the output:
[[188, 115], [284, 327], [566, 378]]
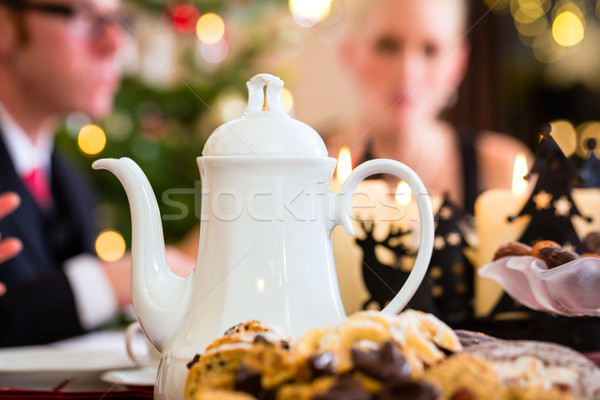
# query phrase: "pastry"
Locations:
[[541, 365]]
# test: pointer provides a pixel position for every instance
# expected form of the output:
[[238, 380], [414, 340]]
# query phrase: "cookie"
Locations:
[[512, 249], [556, 366], [460, 376]]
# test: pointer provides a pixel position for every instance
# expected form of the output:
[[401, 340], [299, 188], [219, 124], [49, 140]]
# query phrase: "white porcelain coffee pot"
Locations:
[[265, 236]]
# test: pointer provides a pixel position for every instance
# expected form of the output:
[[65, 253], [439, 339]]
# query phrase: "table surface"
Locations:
[[73, 365]]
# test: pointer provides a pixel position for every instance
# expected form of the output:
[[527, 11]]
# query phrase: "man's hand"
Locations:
[[11, 246], [119, 272]]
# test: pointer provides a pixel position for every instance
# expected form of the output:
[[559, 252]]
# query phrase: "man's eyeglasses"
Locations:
[[83, 21]]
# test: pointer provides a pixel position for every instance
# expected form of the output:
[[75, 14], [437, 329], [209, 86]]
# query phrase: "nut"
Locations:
[[543, 243], [555, 256], [592, 242], [512, 249]]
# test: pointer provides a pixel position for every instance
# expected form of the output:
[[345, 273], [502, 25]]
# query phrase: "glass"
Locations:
[[83, 21]]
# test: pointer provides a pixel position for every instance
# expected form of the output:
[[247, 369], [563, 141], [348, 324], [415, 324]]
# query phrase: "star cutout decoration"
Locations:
[[542, 200], [436, 272], [439, 243], [568, 246], [453, 239], [446, 213], [562, 207]]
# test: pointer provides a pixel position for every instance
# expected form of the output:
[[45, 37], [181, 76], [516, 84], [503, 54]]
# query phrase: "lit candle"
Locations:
[[381, 218], [348, 255], [492, 210]]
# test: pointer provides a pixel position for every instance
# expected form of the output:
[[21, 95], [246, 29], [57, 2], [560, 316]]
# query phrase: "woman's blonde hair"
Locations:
[[356, 12]]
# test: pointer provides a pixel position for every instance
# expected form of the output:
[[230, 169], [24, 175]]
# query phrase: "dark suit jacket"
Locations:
[[39, 306]]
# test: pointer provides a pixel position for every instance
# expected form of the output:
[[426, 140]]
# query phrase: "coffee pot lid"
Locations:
[[265, 132]]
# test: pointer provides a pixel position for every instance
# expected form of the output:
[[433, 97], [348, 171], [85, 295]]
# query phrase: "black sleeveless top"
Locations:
[[468, 156]]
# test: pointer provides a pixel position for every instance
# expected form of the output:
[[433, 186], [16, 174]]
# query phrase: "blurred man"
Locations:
[[56, 57]]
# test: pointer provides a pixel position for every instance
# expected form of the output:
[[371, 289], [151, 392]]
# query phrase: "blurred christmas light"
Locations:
[[533, 28], [119, 126], [91, 139], [214, 53], [110, 246], [545, 49], [210, 28], [306, 13], [585, 131], [565, 136], [403, 194], [567, 29], [497, 5], [75, 121], [527, 11], [287, 100], [185, 18], [230, 104]]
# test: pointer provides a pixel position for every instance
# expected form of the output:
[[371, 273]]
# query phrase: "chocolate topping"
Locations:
[[193, 361], [247, 380], [470, 338], [345, 388], [322, 364], [261, 339], [404, 389], [234, 329], [383, 364], [463, 394]]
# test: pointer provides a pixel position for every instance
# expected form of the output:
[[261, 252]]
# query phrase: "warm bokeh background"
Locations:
[[185, 71]]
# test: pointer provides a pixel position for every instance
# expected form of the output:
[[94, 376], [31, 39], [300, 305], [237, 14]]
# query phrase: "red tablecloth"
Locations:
[[7, 393]]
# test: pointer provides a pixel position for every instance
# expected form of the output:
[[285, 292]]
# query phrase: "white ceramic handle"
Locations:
[[256, 96], [131, 330], [343, 218]]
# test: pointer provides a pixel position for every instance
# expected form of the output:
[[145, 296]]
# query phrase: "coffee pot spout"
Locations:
[[159, 296]]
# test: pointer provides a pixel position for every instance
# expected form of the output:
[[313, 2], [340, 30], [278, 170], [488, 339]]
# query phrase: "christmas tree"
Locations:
[[550, 205], [174, 93]]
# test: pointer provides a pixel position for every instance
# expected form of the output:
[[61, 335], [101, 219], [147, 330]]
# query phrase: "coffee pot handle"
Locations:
[[343, 218]]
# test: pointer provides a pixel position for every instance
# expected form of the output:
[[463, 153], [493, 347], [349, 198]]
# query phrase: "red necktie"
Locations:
[[37, 183]]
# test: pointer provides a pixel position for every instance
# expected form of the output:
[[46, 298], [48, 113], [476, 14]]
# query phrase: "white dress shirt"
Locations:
[[94, 296]]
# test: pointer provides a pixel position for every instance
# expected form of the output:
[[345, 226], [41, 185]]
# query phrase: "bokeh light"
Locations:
[[91, 139], [230, 104], [497, 5], [565, 136], [527, 11], [110, 246], [533, 28], [185, 18], [403, 194], [210, 28], [344, 164], [214, 53], [567, 29], [306, 13], [287, 100], [75, 121], [586, 131], [545, 49]]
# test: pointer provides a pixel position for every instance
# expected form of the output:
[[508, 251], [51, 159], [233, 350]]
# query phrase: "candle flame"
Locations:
[[403, 194], [519, 184], [344, 165]]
